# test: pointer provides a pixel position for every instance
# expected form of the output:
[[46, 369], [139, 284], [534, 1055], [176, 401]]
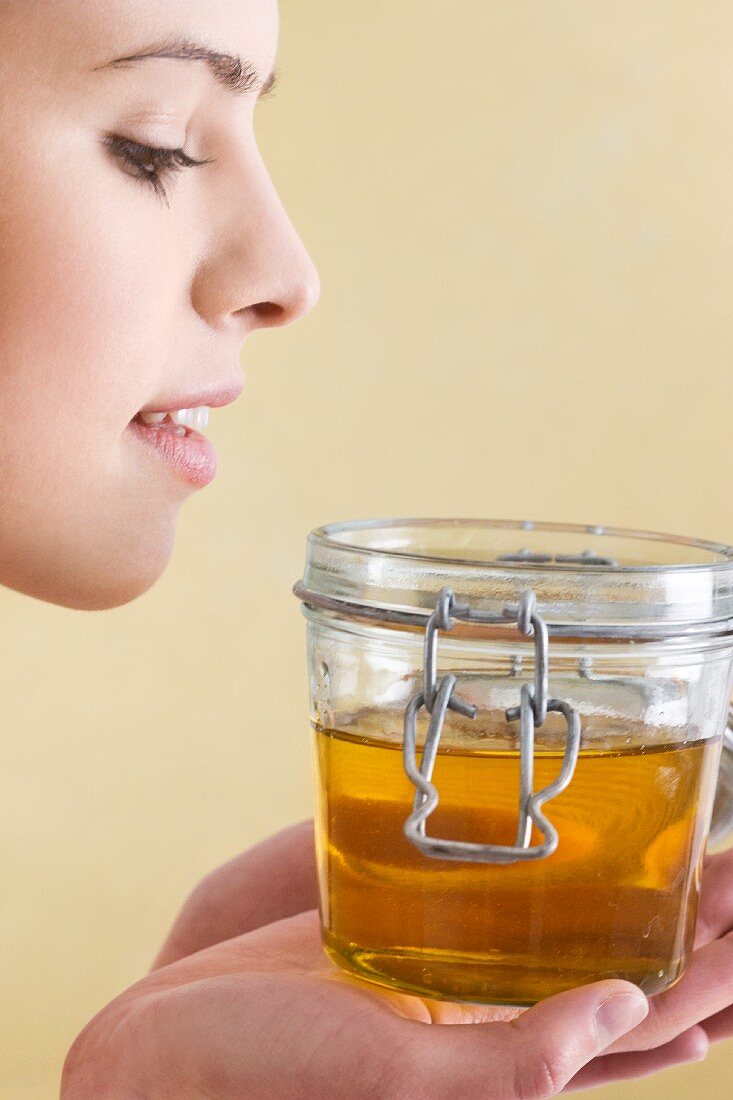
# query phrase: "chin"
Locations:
[[92, 578], [106, 593]]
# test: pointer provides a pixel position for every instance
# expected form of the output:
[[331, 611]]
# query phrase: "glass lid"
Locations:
[[581, 574]]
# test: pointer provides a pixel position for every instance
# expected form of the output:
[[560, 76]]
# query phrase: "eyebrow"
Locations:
[[233, 73]]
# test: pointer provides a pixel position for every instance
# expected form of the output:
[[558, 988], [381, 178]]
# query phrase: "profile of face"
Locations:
[[141, 240]]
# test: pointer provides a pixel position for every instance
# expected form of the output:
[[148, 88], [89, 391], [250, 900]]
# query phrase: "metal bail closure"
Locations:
[[438, 698]]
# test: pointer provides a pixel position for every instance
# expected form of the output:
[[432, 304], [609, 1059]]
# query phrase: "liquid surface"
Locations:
[[617, 899]]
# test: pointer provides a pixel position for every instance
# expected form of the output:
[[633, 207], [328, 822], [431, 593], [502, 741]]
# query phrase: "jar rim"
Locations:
[[723, 551], [604, 576]]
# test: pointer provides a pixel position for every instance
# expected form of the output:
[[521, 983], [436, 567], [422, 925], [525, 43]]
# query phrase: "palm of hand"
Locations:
[[321, 1028], [266, 1014]]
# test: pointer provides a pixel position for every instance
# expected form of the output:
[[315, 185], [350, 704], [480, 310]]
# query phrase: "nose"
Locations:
[[258, 273]]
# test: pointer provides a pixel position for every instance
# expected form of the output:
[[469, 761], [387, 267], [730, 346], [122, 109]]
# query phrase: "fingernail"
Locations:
[[618, 1014]]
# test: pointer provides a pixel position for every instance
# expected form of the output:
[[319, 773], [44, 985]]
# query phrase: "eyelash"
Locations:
[[164, 162]]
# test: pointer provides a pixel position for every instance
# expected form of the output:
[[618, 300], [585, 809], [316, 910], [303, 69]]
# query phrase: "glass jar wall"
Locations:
[[618, 895]]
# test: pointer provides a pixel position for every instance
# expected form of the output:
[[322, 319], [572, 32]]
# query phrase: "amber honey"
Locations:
[[617, 899]]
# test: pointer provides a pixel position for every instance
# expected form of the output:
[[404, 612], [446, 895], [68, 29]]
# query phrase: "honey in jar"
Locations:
[[617, 898]]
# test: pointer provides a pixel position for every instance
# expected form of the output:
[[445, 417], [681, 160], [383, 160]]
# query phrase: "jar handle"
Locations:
[[438, 698]]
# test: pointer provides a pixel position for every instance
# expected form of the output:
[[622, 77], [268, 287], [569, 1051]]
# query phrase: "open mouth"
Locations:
[[177, 421], [180, 445]]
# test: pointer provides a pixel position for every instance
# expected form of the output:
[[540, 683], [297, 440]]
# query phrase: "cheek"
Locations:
[[86, 292], [88, 299]]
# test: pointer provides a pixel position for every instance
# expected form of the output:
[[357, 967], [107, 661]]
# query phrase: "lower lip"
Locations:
[[190, 455]]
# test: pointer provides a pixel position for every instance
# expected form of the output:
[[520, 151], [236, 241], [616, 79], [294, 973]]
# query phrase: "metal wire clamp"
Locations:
[[439, 697]]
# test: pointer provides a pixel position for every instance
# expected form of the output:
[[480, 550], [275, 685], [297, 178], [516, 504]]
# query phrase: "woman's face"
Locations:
[[125, 284]]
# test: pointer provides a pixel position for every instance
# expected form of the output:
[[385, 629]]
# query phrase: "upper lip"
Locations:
[[213, 397]]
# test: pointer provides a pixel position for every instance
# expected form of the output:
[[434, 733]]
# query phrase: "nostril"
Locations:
[[269, 312]]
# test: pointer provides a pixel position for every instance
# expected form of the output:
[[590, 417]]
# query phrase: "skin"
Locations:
[[111, 299]]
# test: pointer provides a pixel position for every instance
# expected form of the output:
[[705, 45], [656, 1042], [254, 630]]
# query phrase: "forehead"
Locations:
[[86, 33]]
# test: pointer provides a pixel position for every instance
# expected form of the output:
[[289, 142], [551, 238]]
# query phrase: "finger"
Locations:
[[719, 1026], [705, 989], [273, 880], [536, 1054], [691, 1046], [715, 915]]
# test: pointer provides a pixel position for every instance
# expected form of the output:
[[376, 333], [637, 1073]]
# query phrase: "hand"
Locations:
[[215, 1010], [266, 1016], [277, 878]]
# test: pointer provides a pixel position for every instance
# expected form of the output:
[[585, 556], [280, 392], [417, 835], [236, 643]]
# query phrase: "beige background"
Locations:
[[522, 216]]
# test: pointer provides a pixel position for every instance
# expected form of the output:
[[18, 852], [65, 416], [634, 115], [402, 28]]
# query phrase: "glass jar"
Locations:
[[517, 738]]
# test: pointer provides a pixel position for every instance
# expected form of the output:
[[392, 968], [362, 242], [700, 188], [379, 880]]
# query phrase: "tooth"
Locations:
[[152, 418], [196, 418]]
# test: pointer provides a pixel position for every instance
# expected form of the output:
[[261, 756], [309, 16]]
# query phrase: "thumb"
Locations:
[[550, 1043], [534, 1056]]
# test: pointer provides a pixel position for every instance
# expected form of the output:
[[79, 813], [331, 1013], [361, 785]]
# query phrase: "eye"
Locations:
[[147, 163]]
